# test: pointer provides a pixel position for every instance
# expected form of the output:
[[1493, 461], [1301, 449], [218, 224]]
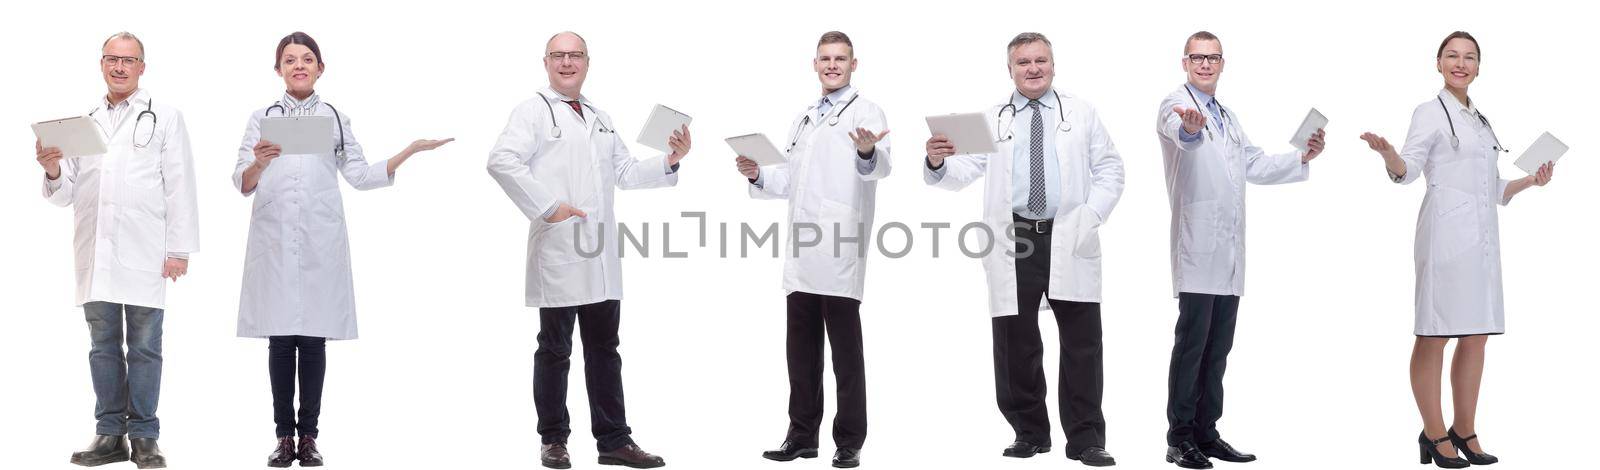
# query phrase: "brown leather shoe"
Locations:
[[631, 456], [555, 455], [102, 450], [308, 455], [284, 455]]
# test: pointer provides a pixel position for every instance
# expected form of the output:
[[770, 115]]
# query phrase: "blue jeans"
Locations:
[[126, 387]]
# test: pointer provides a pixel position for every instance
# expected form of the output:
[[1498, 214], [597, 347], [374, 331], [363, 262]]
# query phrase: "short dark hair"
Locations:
[[835, 37], [301, 39], [1458, 35], [1199, 36], [1027, 38]]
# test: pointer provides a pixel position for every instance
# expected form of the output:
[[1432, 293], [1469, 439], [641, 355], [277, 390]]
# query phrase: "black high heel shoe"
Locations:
[[1430, 453], [1461, 446]]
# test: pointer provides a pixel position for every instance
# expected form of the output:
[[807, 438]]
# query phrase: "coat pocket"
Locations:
[[1086, 224], [1454, 226], [557, 244], [141, 167], [1197, 227]]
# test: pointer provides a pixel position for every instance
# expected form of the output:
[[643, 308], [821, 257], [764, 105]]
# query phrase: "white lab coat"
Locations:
[[1205, 192], [824, 187], [297, 278], [133, 205], [1091, 182], [583, 168], [1458, 229]]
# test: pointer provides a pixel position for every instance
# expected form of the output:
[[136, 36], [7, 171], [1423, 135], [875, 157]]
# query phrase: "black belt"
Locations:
[[1038, 226]]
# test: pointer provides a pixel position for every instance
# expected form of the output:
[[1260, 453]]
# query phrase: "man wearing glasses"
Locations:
[[1208, 161], [560, 161], [137, 223]]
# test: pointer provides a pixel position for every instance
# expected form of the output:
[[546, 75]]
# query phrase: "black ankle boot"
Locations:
[[1430, 453], [1461, 446], [102, 450]]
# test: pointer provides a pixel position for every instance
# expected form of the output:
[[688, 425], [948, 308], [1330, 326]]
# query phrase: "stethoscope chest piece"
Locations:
[[1065, 126], [555, 131]]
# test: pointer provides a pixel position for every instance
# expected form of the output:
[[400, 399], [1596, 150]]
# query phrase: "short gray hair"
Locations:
[[124, 35], [1027, 38]]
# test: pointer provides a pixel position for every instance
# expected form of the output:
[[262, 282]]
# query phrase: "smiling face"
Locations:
[[567, 71], [1203, 75], [1033, 68], [834, 64], [300, 69], [122, 74], [1458, 63]]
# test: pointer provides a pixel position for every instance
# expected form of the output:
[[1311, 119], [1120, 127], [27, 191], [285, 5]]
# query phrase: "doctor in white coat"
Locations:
[[298, 290], [1209, 160], [1053, 182], [837, 153], [136, 223], [560, 161], [1458, 291]]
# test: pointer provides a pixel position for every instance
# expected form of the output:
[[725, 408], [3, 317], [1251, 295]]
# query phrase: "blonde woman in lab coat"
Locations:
[[297, 289], [1457, 248]]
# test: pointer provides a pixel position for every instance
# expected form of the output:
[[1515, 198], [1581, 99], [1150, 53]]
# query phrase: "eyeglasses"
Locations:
[[113, 60], [1212, 59], [575, 56]]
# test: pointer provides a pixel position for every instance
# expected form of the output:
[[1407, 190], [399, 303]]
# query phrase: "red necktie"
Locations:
[[577, 108]]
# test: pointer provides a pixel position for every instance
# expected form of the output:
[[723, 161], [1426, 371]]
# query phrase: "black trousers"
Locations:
[[812, 316], [602, 373], [284, 353], [1204, 336], [1019, 380]]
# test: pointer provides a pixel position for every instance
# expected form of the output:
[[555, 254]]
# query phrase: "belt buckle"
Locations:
[[1039, 226]]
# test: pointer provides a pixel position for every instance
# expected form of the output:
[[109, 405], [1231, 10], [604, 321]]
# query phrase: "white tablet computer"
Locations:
[[301, 135], [659, 127], [969, 132], [75, 136]]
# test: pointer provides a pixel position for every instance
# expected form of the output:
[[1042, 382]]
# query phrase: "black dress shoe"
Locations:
[[146, 454], [308, 455], [1094, 457], [631, 456], [790, 451], [284, 455], [1024, 450], [846, 458], [554, 455], [1461, 447], [102, 450], [1430, 453], [1187, 455], [1220, 450]]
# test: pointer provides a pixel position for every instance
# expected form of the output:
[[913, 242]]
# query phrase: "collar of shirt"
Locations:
[[1021, 102], [1451, 101], [1212, 106], [294, 107], [551, 93], [138, 95], [824, 105]]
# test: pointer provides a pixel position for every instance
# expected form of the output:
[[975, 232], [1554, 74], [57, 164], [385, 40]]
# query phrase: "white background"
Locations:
[[442, 373]]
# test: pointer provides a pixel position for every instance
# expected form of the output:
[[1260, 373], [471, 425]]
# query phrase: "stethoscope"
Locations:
[[555, 128], [336, 119], [1224, 111], [833, 119], [149, 105], [1060, 113], [1455, 142]]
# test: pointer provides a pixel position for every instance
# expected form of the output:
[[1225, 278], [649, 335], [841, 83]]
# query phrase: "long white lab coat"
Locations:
[[1091, 182], [297, 278], [825, 188], [1205, 192], [1458, 229], [583, 167], [133, 205]]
